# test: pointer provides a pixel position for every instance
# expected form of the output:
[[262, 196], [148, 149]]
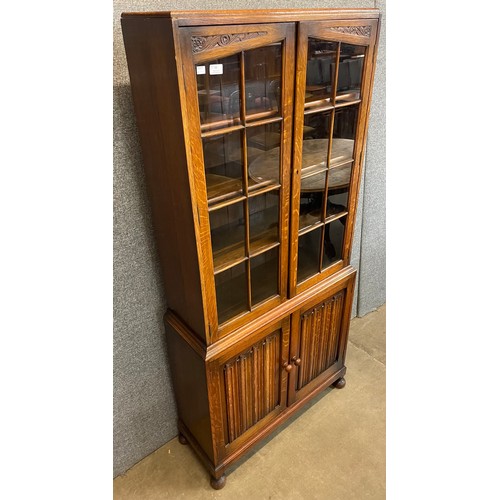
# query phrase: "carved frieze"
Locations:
[[201, 43]]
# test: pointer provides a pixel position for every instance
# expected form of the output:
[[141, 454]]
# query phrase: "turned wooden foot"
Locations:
[[182, 439], [340, 384], [218, 484]]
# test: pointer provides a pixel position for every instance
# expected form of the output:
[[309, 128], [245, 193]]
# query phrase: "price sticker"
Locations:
[[215, 69]]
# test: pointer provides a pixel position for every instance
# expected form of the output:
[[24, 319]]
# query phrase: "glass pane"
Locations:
[[263, 80], [344, 132], [223, 157], [227, 228], [334, 239], [315, 144], [312, 194], [337, 199], [231, 291], [219, 92], [263, 145], [321, 62], [352, 58], [264, 275], [264, 220], [309, 246]]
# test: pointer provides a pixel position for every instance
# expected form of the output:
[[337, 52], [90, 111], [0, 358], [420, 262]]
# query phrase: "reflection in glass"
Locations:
[[263, 79], [219, 92], [350, 72], [344, 132], [309, 247], [312, 194], [321, 62], [264, 155], [264, 220], [231, 291], [223, 158], [227, 228], [337, 201], [315, 143], [334, 239], [264, 274]]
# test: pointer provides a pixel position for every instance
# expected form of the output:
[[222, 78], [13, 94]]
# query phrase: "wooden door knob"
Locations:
[[296, 361], [287, 367]]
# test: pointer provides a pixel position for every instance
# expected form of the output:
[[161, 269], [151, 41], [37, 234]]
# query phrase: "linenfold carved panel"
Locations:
[[252, 385], [353, 30], [319, 338], [201, 43]]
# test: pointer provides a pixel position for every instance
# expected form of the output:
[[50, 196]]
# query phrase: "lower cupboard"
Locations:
[[236, 391]]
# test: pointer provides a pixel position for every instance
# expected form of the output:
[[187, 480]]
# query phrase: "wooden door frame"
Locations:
[[267, 33], [215, 378], [346, 284], [358, 32]]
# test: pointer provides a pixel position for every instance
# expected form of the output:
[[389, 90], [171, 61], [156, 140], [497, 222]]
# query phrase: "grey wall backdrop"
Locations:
[[144, 406]]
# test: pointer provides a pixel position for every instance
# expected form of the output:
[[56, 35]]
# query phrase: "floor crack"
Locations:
[[358, 346]]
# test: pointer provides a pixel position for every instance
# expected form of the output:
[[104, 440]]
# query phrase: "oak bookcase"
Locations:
[[253, 126]]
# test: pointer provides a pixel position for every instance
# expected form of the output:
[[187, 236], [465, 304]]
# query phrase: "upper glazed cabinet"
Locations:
[[276, 198], [240, 88]]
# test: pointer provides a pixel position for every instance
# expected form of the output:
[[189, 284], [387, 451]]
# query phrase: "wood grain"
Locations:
[[235, 382]]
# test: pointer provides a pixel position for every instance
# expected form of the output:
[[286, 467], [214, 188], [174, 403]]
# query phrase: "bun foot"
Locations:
[[182, 439], [218, 484], [340, 384]]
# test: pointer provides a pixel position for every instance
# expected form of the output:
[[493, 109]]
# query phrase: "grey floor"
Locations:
[[332, 449]]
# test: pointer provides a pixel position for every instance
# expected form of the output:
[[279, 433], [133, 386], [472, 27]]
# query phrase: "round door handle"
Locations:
[[287, 367], [296, 361]]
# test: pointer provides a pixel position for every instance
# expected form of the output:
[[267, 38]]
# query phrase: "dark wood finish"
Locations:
[[218, 484], [319, 331], [150, 54], [213, 18], [362, 32], [191, 389], [242, 39], [237, 381], [340, 384]]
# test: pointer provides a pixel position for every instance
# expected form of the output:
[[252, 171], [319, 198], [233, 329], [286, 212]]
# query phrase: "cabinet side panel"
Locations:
[[190, 387], [151, 61]]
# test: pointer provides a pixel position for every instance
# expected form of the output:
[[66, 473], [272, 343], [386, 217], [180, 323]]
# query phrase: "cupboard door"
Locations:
[[240, 97], [334, 76], [319, 339], [251, 386]]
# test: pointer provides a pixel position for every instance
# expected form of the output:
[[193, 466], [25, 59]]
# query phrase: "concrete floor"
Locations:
[[332, 449]]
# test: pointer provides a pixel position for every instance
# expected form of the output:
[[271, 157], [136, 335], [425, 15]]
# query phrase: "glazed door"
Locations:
[[319, 333], [251, 385], [239, 86], [334, 73]]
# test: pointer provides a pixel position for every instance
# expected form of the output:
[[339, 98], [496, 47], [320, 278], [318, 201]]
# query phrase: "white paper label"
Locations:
[[201, 70], [215, 69]]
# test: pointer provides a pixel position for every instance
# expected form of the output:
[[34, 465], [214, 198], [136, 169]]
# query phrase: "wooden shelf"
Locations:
[[232, 296], [221, 188], [234, 253], [263, 242], [309, 221], [336, 216], [308, 229]]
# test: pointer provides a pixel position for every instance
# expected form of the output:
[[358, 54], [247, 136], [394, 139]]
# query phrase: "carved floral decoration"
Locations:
[[353, 30], [201, 43]]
